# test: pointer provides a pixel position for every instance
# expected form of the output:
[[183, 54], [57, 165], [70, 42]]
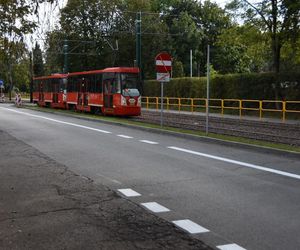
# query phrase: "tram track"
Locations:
[[257, 130]]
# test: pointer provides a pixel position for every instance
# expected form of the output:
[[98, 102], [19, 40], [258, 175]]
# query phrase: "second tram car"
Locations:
[[113, 91]]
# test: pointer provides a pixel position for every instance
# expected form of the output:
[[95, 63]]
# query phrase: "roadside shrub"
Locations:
[[262, 86]]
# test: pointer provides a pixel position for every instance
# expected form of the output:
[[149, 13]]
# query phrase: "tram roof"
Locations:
[[54, 76], [107, 70]]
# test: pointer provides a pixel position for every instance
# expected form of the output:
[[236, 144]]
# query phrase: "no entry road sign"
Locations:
[[163, 62]]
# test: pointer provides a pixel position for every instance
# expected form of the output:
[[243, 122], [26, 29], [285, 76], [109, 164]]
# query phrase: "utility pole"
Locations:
[[138, 35], [31, 75], [207, 88], [65, 49], [191, 63]]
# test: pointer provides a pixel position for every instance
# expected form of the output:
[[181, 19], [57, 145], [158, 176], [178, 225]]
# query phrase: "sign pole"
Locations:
[[161, 102], [163, 62]]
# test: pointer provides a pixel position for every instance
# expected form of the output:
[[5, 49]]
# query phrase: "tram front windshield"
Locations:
[[130, 84]]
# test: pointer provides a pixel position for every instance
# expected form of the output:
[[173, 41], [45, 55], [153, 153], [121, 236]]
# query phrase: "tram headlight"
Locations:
[[123, 101]]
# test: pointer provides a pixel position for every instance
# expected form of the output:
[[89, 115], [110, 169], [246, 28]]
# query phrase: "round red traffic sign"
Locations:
[[163, 62]]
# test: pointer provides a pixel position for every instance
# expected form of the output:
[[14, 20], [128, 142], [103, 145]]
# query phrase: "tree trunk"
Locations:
[[276, 47]]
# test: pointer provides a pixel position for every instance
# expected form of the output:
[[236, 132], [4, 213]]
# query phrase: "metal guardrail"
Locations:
[[222, 105]]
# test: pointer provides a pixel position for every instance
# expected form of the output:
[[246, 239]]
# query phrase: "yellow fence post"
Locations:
[[222, 107], [179, 104], [156, 103], [283, 110], [260, 109], [168, 103], [147, 102], [192, 105], [240, 107]]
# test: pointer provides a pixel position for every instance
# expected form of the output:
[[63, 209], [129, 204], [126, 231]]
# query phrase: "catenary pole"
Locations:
[[31, 75], [207, 89], [65, 48], [191, 63], [138, 39]]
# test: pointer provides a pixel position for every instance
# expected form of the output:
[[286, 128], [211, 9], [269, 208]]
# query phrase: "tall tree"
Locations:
[[38, 63], [15, 22], [200, 24], [241, 48], [279, 18]]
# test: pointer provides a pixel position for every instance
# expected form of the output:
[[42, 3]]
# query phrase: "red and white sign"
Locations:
[[163, 62]]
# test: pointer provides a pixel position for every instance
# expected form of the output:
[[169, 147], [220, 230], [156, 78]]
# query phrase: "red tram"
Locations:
[[113, 91]]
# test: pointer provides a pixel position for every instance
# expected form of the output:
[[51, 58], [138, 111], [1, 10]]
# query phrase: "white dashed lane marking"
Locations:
[[190, 226], [129, 192], [149, 142], [155, 207], [125, 136], [230, 247], [244, 164]]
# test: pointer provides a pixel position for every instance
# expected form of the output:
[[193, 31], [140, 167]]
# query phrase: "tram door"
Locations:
[[55, 90], [83, 94], [41, 92], [108, 96], [111, 86]]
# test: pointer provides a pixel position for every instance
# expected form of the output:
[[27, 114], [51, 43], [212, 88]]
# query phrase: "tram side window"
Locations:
[[98, 82], [70, 85], [90, 80], [53, 85], [86, 84], [62, 84], [35, 86], [79, 84], [46, 85]]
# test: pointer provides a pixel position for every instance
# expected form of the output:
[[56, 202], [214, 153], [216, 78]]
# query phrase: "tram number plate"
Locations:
[[131, 101]]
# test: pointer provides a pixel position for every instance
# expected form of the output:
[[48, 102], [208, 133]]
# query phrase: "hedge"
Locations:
[[262, 86]]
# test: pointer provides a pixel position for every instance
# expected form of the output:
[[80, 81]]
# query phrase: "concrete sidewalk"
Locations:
[[43, 205]]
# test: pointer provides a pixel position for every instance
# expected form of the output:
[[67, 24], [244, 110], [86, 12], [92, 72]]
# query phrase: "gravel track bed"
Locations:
[[258, 130]]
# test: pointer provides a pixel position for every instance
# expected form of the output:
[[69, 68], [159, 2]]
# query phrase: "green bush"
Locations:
[[263, 86]]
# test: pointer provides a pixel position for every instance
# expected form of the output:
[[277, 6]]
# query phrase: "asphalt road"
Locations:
[[246, 197]]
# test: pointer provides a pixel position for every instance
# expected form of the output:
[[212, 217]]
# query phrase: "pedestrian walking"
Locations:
[[19, 100], [16, 99]]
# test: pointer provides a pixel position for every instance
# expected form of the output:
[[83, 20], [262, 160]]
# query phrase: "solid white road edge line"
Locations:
[[155, 207], [190, 226], [245, 164], [149, 142], [129, 192], [58, 121], [230, 247]]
